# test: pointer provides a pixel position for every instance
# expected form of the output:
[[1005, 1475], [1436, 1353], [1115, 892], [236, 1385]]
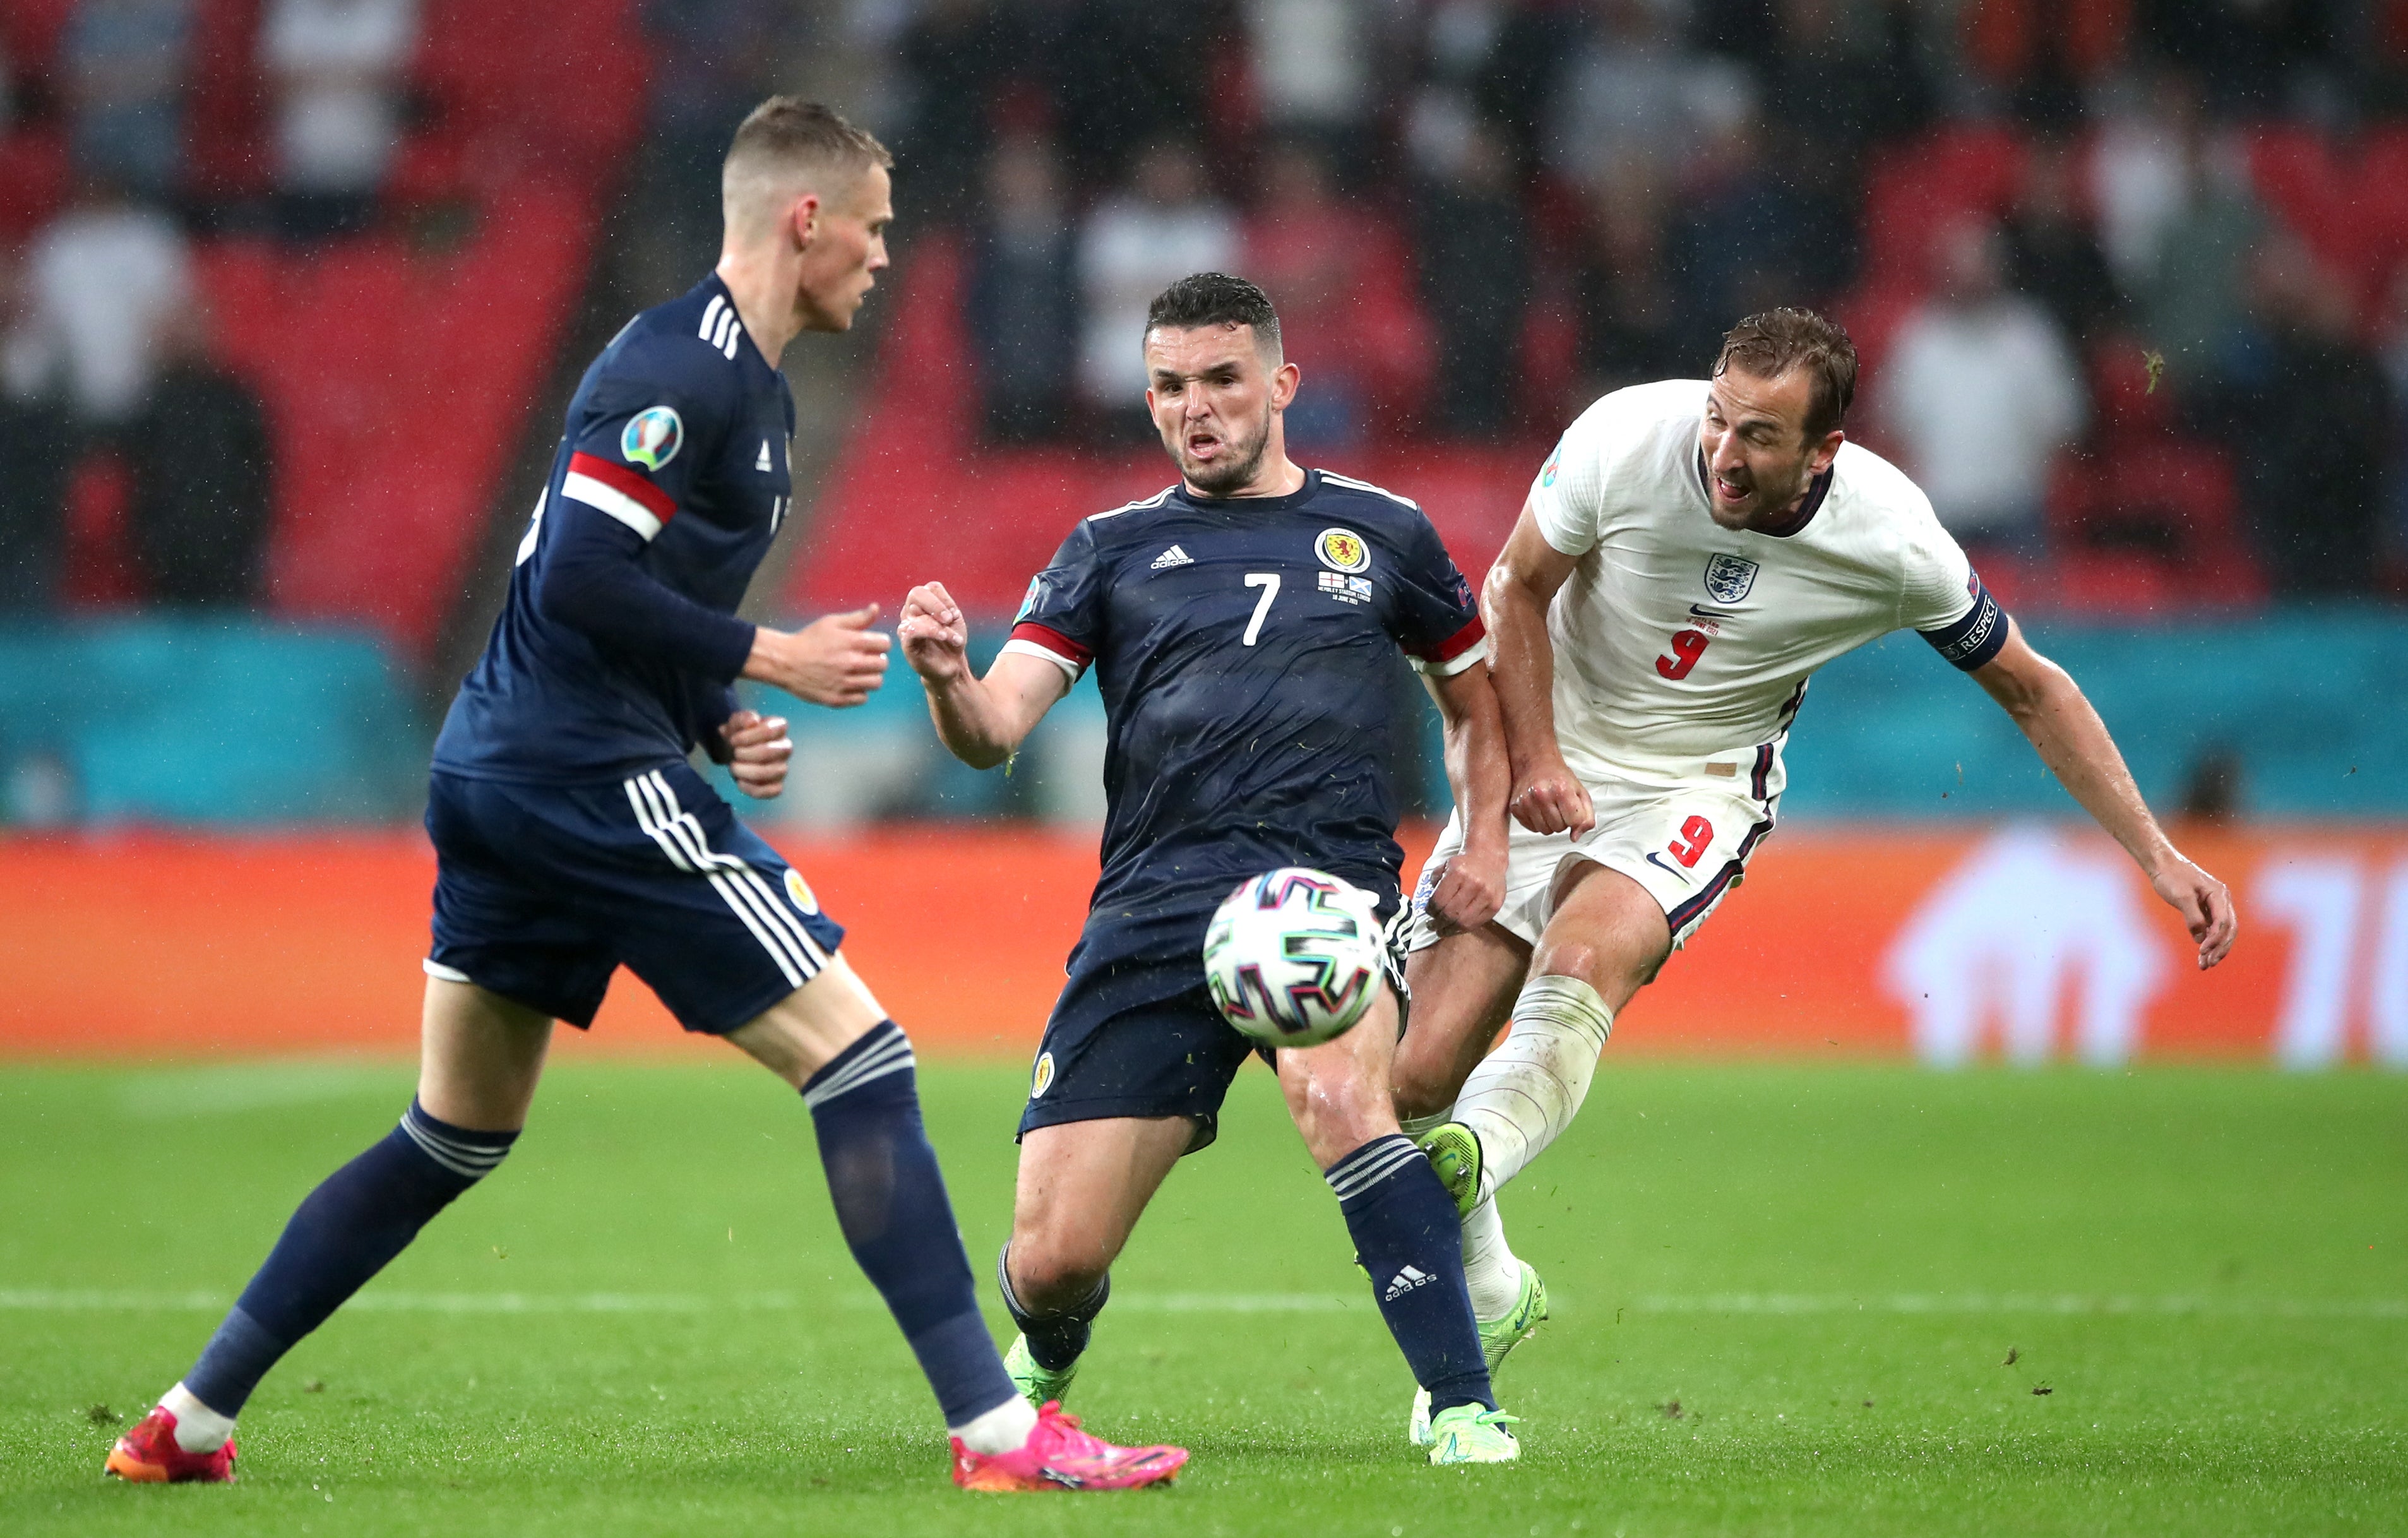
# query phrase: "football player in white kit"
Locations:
[[1690, 553]]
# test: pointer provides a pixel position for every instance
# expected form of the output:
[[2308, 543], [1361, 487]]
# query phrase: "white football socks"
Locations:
[[1001, 1429], [1523, 1094], [1490, 1267], [198, 1428]]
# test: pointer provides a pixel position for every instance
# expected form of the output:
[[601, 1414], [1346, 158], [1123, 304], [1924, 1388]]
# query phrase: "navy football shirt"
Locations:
[[1242, 647], [674, 461]]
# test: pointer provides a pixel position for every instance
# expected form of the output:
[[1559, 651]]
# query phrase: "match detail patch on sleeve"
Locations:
[[1031, 639], [619, 491], [1455, 653], [1972, 642]]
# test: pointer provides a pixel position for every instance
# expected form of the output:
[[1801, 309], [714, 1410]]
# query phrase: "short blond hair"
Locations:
[[786, 140]]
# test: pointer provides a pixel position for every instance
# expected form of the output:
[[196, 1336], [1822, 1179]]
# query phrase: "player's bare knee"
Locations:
[[1337, 1111], [1054, 1272], [1421, 1079]]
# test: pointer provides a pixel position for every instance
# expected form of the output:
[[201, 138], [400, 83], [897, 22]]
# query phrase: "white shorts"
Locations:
[[1687, 839]]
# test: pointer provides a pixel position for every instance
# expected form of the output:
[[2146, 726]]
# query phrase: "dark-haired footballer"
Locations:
[[572, 836], [1690, 553], [1242, 624]]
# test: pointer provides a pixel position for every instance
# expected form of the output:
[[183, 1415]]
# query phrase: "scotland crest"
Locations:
[[1728, 578]]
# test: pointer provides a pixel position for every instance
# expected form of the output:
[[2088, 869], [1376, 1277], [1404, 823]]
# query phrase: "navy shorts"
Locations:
[[1136, 1033], [541, 892]]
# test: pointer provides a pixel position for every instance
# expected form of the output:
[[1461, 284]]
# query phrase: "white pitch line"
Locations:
[[2026, 1302], [46, 1300]]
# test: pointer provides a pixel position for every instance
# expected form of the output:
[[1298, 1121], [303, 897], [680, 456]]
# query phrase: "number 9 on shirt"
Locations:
[[1293, 958]]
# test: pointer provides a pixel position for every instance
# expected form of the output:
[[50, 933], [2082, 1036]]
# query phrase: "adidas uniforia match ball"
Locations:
[[1293, 956]]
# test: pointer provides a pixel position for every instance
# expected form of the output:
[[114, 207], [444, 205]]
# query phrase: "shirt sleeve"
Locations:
[[594, 579], [1062, 619], [640, 452], [1435, 618], [1569, 495], [1943, 601]]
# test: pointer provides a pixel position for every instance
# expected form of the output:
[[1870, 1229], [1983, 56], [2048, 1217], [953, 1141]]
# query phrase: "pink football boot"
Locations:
[[149, 1454], [1058, 1456]]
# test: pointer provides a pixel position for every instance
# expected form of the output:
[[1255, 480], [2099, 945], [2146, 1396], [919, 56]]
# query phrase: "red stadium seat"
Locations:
[[1914, 191], [29, 32], [398, 382], [36, 184], [2156, 519], [226, 150]]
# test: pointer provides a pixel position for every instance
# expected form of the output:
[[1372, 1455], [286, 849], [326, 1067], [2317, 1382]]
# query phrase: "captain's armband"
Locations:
[[1972, 642]]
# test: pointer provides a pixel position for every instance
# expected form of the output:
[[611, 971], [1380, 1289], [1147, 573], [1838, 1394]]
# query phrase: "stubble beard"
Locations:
[[1229, 474]]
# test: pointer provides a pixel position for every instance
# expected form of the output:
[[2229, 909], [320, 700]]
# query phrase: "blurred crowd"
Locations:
[[118, 409], [2087, 318], [2130, 277]]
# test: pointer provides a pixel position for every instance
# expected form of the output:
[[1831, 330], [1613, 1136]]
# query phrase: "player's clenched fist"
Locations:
[[1468, 892], [1549, 798], [758, 750], [835, 660], [936, 635]]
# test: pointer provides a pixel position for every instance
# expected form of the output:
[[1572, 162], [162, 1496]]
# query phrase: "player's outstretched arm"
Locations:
[[2072, 742], [1472, 887], [837, 660], [1545, 796], [981, 721]]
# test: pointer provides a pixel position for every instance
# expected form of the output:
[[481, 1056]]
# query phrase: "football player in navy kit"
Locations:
[[572, 836], [1241, 625]]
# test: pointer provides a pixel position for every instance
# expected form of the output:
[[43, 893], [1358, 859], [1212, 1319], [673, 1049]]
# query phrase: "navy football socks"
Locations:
[[358, 1219], [1407, 1237], [890, 1200], [1058, 1338]]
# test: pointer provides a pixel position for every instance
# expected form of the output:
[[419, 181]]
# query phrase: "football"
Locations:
[[1293, 956]]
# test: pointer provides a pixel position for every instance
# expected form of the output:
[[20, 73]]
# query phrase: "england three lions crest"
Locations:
[[1728, 578]]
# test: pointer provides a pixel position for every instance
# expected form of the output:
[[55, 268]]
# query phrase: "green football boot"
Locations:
[[1497, 1338], [1035, 1383], [1468, 1434], [1453, 1150]]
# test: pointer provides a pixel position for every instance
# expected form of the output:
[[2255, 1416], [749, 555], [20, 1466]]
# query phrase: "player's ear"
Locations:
[[1825, 451], [1284, 382], [803, 220]]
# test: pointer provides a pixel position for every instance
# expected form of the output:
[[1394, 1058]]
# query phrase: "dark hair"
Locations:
[[788, 130], [1771, 344], [1215, 298]]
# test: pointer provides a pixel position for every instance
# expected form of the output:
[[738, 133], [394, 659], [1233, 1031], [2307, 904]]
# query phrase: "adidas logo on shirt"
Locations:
[[1172, 557], [763, 463], [1405, 1280]]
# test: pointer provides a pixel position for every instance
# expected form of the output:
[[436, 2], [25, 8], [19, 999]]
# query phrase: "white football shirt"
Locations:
[[1678, 640]]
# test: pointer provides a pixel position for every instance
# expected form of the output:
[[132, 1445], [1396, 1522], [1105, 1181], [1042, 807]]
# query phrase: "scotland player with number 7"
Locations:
[[1242, 624]]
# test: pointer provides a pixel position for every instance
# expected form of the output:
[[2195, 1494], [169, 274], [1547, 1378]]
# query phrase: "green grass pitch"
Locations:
[[1784, 1302]]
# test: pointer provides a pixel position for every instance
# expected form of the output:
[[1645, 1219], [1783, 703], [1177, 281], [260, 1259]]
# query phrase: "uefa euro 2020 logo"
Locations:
[[654, 436]]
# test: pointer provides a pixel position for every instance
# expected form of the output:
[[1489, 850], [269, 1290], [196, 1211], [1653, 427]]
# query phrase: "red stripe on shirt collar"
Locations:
[[627, 482]]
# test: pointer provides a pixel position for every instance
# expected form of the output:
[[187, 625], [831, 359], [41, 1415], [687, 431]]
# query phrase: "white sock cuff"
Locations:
[[198, 1428], [997, 1430], [1566, 1002], [1414, 1126]]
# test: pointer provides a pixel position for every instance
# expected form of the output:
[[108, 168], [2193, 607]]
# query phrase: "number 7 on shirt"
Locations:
[[1269, 583]]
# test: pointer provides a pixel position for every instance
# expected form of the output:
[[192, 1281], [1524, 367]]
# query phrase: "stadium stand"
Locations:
[[397, 400]]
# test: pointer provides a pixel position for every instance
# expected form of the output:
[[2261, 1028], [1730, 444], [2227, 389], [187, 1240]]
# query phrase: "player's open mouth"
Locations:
[[1728, 491], [1202, 444]]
